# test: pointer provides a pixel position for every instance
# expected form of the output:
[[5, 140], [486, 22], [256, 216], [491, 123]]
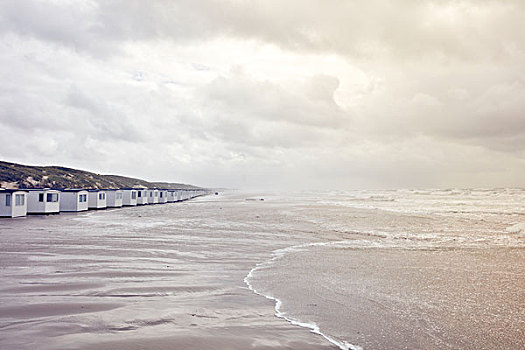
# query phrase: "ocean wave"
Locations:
[[312, 326]]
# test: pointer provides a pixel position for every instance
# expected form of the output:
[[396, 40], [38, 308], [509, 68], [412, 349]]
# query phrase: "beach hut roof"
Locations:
[[11, 190]]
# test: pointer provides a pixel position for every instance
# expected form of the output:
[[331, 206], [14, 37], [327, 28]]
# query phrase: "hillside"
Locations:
[[14, 175]]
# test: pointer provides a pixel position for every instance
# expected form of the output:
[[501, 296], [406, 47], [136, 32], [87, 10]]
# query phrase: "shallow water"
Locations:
[[378, 270], [408, 269]]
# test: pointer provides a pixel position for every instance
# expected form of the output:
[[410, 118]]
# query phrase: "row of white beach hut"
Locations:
[[20, 202]]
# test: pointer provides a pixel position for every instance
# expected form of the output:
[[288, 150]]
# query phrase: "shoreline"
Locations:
[[312, 327], [402, 297]]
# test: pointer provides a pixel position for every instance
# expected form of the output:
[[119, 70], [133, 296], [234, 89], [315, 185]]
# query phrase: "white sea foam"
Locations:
[[463, 202], [314, 328], [517, 228]]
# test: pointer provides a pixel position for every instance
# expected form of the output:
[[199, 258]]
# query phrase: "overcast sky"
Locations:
[[269, 93]]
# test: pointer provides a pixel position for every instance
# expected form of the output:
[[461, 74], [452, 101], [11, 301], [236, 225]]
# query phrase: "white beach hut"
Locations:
[[172, 196], [13, 203], [97, 199], [114, 198], [142, 196], [43, 201], [74, 200], [163, 196], [153, 196], [129, 197]]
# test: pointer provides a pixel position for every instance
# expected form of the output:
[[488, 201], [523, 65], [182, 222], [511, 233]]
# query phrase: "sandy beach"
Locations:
[[155, 277], [173, 277]]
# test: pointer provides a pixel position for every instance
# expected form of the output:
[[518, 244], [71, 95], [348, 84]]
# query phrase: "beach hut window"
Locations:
[[19, 199], [40, 197], [7, 200], [161, 195], [52, 197], [156, 194], [134, 195], [140, 193]]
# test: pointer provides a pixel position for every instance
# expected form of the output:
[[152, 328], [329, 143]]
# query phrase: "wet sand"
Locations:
[[235, 338], [155, 277]]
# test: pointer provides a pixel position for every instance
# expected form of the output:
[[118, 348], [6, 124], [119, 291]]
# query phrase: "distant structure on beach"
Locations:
[[163, 196], [114, 198], [153, 196], [97, 199], [73, 200], [13, 203], [142, 196], [129, 197], [70, 190], [43, 201], [20, 202]]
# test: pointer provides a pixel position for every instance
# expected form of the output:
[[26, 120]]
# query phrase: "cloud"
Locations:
[[268, 93], [263, 113], [466, 29]]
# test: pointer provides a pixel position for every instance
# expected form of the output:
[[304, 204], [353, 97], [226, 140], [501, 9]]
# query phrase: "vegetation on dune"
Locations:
[[25, 176]]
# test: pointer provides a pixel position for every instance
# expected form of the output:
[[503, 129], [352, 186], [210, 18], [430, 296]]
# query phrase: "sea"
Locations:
[[363, 269]]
